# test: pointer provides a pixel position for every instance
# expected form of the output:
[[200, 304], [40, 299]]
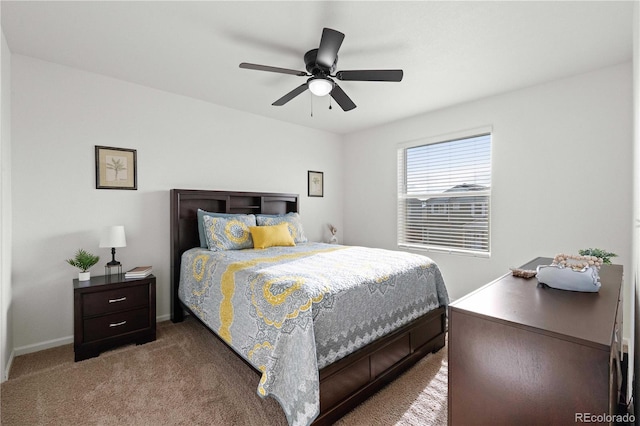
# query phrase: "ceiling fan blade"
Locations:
[[342, 99], [292, 94], [249, 66], [370, 75], [329, 45]]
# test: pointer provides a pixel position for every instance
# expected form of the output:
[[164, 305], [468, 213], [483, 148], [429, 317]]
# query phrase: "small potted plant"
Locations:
[[83, 261]]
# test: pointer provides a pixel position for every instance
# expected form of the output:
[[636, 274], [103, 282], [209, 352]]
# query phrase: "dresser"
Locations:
[[110, 311], [521, 353]]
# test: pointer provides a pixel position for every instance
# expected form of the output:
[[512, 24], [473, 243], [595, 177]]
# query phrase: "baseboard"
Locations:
[[5, 375], [22, 350], [161, 318]]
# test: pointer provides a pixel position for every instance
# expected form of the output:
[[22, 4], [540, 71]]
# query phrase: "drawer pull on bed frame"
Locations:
[[122, 299], [117, 324]]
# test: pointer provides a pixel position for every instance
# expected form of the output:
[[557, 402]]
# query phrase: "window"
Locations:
[[444, 191]]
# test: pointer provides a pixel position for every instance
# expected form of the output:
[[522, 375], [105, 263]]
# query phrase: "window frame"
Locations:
[[402, 195]]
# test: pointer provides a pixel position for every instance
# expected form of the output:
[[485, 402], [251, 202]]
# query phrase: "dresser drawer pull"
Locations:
[[117, 324], [122, 299]]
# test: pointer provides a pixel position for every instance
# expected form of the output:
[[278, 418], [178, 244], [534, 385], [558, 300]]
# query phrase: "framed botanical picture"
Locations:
[[116, 168], [316, 184]]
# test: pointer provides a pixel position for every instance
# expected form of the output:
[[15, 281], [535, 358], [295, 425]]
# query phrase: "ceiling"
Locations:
[[451, 52]]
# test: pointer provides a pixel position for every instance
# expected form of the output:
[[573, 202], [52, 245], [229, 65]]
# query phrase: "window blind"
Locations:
[[444, 191]]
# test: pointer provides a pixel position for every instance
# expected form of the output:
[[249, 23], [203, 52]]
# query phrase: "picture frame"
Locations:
[[116, 168], [315, 181]]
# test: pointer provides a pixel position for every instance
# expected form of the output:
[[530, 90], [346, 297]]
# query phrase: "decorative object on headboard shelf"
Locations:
[[315, 184], [571, 272], [334, 231], [116, 168]]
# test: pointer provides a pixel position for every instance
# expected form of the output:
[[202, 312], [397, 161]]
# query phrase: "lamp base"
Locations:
[[112, 268]]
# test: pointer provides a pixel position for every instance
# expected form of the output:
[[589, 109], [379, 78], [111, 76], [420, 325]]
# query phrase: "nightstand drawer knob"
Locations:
[[117, 324], [122, 299]]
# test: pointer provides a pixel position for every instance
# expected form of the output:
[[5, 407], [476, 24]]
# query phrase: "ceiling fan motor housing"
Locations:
[[315, 69]]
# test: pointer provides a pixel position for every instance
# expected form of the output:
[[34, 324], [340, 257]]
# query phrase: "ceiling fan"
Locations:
[[321, 66]]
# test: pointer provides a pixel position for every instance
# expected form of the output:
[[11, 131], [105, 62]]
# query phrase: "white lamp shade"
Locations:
[[113, 236], [320, 86]]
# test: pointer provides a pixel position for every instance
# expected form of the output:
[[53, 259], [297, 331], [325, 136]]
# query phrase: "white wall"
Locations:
[[60, 113], [6, 332], [562, 174]]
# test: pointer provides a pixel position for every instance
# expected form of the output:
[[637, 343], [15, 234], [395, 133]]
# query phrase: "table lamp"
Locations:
[[113, 236]]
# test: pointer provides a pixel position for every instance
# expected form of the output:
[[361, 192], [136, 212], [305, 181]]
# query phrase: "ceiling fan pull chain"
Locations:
[[311, 101], [330, 102]]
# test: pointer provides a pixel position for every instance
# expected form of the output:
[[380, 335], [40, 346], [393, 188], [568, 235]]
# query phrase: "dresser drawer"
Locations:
[[104, 302], [115, 324]]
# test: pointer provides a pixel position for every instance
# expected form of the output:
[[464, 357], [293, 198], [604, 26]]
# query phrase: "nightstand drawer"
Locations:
[[115, 324], [104, 302]]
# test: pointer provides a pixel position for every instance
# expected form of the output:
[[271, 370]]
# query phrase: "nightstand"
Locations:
[[110, 311]]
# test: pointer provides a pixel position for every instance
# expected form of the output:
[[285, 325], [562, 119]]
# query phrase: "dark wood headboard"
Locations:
[[184, 226]]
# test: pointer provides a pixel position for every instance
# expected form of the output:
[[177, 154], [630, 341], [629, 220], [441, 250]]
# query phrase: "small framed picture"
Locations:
[[316, 184], [116, 168]]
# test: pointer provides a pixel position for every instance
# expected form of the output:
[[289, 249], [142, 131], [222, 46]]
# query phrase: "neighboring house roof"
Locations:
[[458, 188]]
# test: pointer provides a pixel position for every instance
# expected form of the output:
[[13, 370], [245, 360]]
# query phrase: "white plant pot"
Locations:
[[84, 276]]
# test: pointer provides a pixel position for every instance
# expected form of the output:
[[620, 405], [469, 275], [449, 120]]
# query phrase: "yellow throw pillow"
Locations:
[[270, 236]]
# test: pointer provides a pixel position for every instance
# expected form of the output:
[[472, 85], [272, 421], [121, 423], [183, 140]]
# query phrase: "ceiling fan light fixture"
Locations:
[[320, 86]]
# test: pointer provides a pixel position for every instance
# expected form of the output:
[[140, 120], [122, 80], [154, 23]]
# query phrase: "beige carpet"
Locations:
[[188, 377]]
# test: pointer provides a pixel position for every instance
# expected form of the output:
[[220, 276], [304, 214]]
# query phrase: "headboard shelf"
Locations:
[[184, 225]]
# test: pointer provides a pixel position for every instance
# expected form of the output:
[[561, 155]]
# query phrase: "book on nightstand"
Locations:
[[138, 272]]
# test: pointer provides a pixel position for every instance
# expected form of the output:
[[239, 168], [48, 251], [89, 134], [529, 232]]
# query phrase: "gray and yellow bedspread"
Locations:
[[291, 311]]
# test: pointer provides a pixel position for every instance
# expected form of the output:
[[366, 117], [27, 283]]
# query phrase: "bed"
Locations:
[[297, 355]]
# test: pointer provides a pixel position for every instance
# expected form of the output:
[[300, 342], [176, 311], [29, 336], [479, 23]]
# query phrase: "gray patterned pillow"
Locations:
[[228, 233], [200, 215], [291, 219]]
